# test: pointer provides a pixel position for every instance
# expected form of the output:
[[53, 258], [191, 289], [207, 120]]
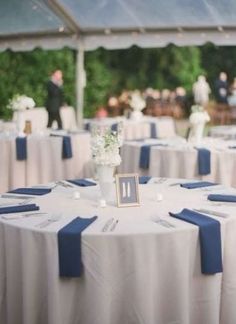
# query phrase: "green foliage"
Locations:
[[27, 73], [109, 72], [99, 80]]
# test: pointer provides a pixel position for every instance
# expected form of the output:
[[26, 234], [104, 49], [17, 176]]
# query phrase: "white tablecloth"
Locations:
[[44, 160], [141, 273], [165, 126], [179, 159], [226, 132]]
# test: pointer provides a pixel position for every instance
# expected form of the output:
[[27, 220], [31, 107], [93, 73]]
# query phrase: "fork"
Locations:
[[54, 218]]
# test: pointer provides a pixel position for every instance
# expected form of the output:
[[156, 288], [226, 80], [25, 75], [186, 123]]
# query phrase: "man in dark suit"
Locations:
[[55, 98], [221, 89]]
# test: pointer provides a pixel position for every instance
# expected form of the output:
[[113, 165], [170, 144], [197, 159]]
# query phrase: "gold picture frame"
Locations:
[[127, 190]]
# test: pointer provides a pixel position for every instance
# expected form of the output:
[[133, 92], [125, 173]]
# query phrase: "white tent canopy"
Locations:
[[114, 24], [88, 24]]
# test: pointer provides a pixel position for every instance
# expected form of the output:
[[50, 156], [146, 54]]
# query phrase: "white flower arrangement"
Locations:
[[21, 102], [105, 146], [198, 115], [137, 103]]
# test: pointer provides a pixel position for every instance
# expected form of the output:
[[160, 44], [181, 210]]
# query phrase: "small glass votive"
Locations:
[[102, 203], [76, 195], [159, 196]]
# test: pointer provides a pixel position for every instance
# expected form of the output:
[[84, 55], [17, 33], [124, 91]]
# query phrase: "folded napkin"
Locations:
[[144, 159], [18, 209], [226, 198], [153, 130], [69, 247], [31, 191], [199, 184], [144, 179], [204, 161], [21, 148], [114, 127], [210, 239], [87, 126], [82, 182], [66, 146]]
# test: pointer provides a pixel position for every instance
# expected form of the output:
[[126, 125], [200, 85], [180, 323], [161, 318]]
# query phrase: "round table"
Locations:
[[164, 126], [44, 161], [226, 132], [177, 158], [141, 272]]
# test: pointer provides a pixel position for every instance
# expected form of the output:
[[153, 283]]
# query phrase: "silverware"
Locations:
[[52, 219], [25, 202], [12, 217], [107, 224], [16, 196], [112, 228], [163, 222], [211, 212], [174, 184]]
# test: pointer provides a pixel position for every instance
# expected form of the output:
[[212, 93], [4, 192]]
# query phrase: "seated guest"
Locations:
[[101, 112], [113, 107], [221, 88], [232, 97]]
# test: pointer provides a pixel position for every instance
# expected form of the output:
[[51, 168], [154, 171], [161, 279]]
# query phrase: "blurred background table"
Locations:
[[177, 158], [44, 160], [145, 128], [226, 132]]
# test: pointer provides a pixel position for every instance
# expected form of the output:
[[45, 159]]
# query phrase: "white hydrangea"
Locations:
[[105, 146], [21, 103], [137, 103]]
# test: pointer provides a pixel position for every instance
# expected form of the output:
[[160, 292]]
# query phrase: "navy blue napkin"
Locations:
[[18, 209], [144, 179], [210, 239], [114, 127], [82, 182], [66, 146], [21, 148], [87, 127], [200, 184], [69, 247], [144, 159], [153, 130], [226, 198], [31, 191], [204, 161]]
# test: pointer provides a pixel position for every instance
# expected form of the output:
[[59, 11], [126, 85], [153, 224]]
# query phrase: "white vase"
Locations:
[[197, 133], [136, 115], [20, 121], [105, 174]]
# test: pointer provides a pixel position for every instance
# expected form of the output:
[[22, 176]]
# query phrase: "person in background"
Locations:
[[101, 112], [55, 98], [232, 97], [201, 91], [221, 88]]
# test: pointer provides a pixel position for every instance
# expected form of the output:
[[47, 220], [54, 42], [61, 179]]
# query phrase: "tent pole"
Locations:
[[80, 83]]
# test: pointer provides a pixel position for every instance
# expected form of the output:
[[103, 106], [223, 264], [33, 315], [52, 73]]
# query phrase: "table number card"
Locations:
[[127, 190]]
